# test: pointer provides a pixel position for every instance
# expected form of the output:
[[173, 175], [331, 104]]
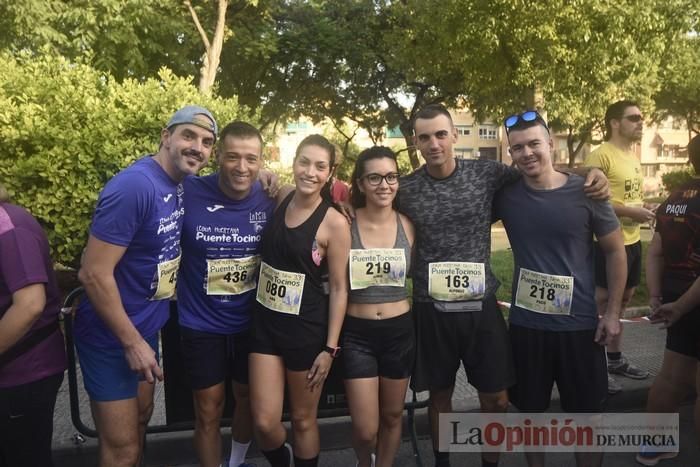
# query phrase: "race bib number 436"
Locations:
[[231, 276], [456, 282], [280, 291], [377, 266], [544, 293]]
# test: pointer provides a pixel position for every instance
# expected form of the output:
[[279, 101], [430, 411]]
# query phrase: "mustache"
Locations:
[[193, 153]]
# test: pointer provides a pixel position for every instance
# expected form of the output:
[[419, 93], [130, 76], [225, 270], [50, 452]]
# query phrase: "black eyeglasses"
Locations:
[[525, 117], [391, 178], [636, 118]]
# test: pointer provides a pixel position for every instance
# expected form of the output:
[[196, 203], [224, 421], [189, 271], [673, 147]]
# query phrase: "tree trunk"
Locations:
[[574, 151], [407, 132], [212, 49]]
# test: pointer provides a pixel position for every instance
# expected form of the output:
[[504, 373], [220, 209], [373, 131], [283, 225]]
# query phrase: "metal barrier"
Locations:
[[179, 410]]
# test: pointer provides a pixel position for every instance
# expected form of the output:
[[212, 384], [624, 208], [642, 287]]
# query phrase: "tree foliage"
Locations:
[[568, 58], [679, 88], [126, 38], [376, 62], [67, 128], [337, 59]]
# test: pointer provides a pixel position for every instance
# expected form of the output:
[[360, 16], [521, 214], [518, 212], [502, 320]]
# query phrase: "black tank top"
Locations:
[[293, 249]]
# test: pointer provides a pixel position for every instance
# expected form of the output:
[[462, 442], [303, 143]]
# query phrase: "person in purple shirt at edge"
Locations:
[[226, 214], [32, 354], [129, 272]]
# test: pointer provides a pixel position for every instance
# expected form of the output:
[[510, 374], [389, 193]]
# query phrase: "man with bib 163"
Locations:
[[129, 272], [555, 331]]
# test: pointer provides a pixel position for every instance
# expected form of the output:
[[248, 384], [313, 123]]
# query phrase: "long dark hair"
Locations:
[[357, 198], [323, 143]]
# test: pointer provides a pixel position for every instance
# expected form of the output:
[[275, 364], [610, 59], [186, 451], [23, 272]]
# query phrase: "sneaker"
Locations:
[[648, 457], [624, 368], [613, 386], [372, 462], [290, 451]]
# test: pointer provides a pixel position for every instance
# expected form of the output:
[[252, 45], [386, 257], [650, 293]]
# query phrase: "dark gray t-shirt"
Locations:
[[452, 217], [551, 232]]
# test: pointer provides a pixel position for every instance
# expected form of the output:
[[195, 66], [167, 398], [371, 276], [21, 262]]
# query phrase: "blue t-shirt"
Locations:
[[551, 232], [220, 243], [141, 208]]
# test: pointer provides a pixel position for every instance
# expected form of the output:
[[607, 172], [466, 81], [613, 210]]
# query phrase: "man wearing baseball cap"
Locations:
[[129, 272]]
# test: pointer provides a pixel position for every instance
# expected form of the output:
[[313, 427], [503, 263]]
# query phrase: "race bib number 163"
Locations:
[[456, 281]]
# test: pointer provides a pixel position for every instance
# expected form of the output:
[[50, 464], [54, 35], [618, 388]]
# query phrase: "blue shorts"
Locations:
[[106, 373]]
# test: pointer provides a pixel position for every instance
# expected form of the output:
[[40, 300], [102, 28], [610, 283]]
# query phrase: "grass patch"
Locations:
[[502, 267]]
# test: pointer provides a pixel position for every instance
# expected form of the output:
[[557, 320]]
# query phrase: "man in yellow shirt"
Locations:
[[623, 128]]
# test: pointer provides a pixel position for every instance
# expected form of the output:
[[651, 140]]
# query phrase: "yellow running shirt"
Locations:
[[624, 171]]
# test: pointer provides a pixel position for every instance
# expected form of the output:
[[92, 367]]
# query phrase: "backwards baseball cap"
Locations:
[[194, 115]]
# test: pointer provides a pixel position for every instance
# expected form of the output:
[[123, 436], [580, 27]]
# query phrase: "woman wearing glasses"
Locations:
[[378, 337], [296, 323]]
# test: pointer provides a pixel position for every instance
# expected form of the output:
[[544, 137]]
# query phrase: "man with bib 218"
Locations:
[[555, 331]]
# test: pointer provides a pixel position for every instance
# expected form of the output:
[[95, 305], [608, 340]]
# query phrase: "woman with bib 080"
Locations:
[[296, 322], [378, 335]]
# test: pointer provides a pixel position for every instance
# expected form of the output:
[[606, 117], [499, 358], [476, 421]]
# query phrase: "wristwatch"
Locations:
[[334, 351]]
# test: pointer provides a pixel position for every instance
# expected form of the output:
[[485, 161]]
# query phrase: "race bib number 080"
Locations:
[[456, 281], [280, 291], [167, 279], [544, 293], [377, 266], [231, 276]]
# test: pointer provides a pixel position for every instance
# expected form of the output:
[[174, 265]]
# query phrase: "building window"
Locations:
[[464, 153], [488, 132], [649, 170], [464, 130]]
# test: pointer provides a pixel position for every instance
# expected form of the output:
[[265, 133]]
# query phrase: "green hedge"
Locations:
[[67, 128], [672, 180]]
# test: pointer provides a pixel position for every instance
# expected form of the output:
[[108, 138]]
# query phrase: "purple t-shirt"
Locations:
[[140, 208], [216, 229], [25, 260]]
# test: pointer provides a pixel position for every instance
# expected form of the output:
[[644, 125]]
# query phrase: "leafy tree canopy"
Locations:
[[67, 129]]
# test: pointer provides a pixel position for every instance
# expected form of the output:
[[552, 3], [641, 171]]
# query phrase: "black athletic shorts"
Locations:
[[684, 336], [478, 339], [378, 347], [570, 358], [634, 265], [210, 358], [299, 358]]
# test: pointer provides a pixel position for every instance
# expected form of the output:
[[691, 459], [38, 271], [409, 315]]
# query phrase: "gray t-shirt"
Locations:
[[452, 217], [551, 232]]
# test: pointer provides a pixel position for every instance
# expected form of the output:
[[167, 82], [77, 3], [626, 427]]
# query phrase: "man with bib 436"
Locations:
[[555, 331], [623, 128], [129, 272], [225, 215]]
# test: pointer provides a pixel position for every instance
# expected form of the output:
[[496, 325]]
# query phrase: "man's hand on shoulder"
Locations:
[[597, 186], [270, 182]]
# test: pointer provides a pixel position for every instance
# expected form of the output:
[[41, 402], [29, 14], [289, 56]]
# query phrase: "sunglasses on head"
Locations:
[[636, 118], [525, 117]]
